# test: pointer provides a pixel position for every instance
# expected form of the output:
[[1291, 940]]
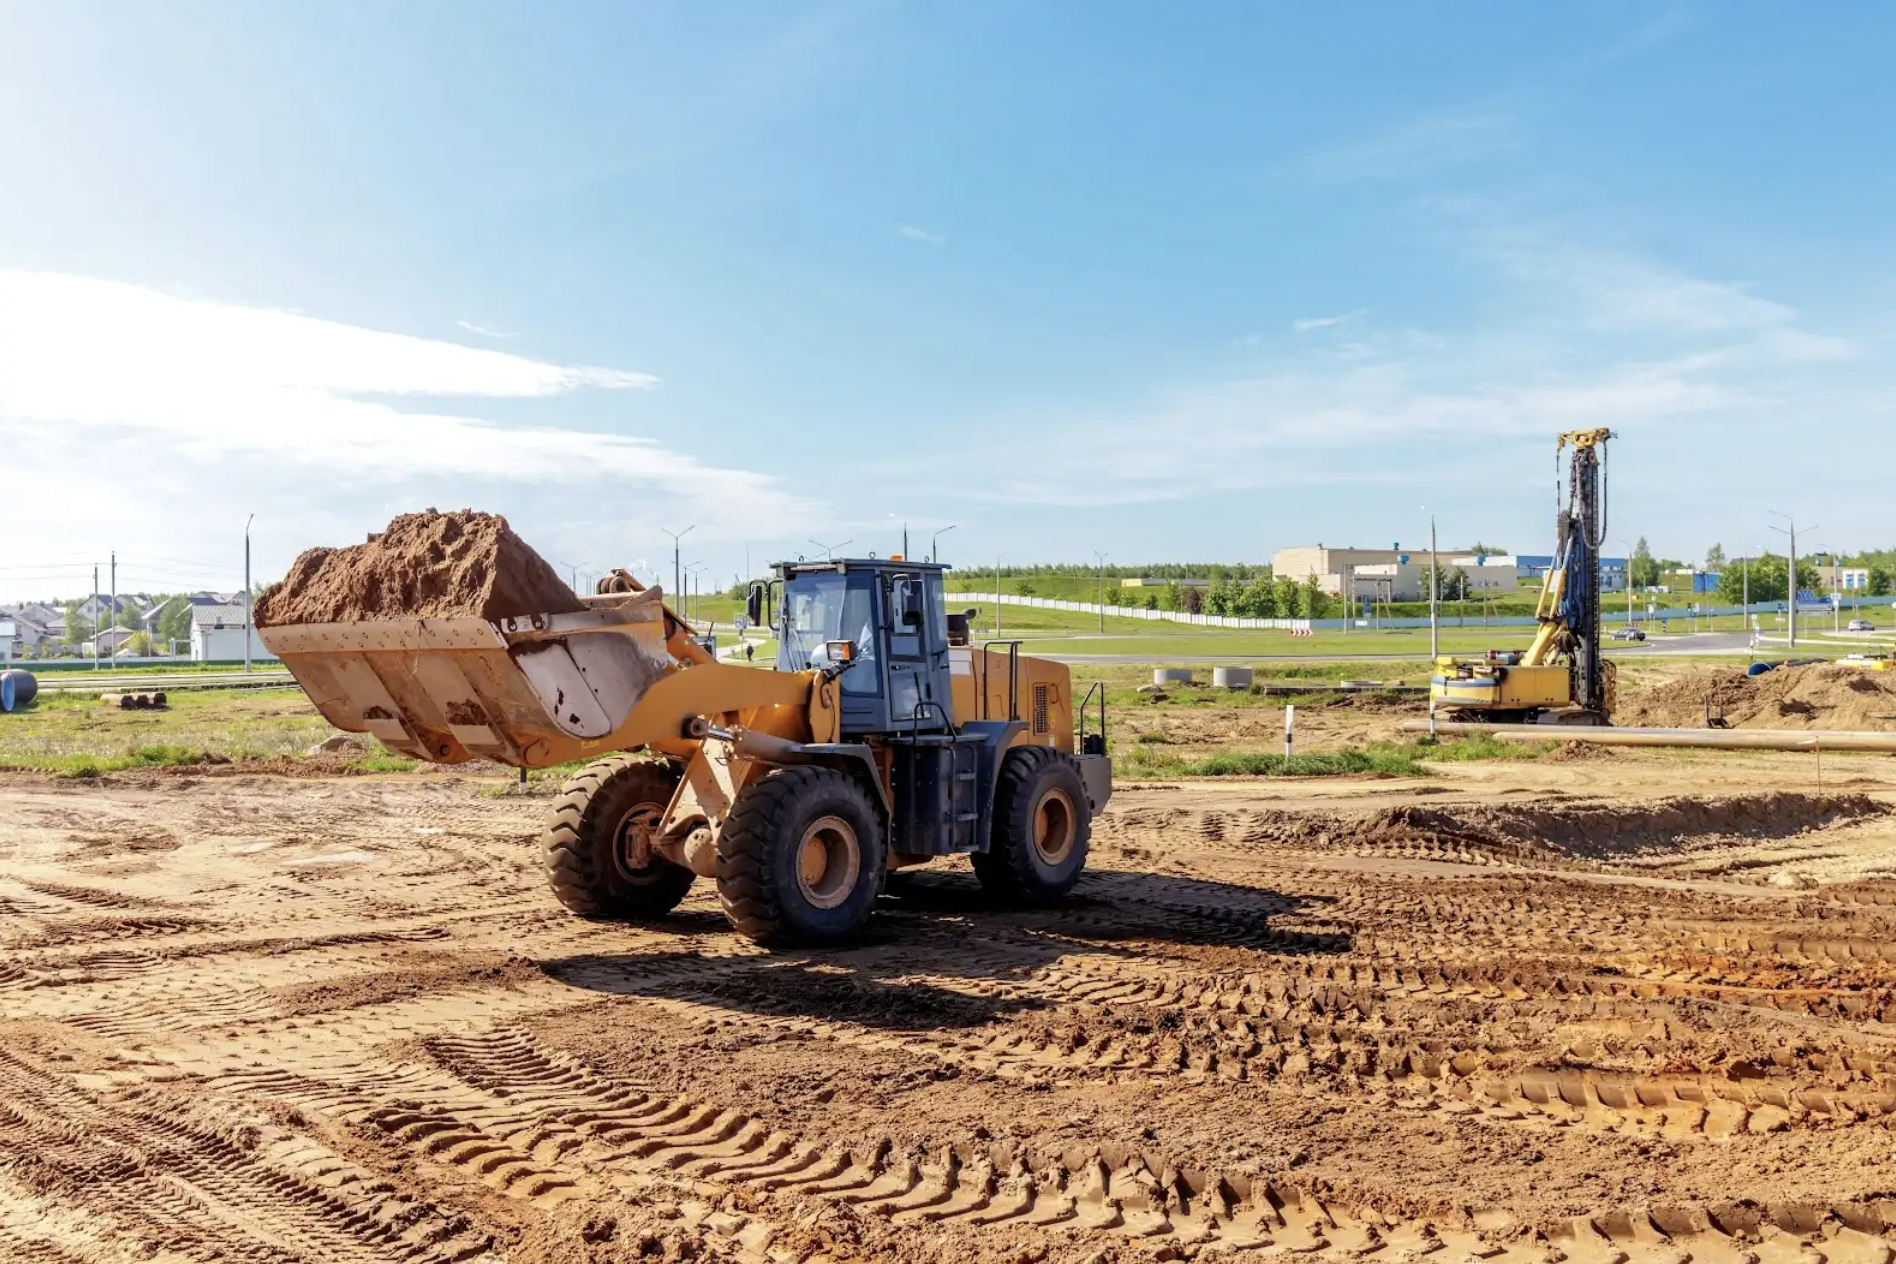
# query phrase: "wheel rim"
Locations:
[[829, 859], [1054, 829], [632, 855]]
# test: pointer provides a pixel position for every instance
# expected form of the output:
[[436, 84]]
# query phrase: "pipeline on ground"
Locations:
[[1715, 739]]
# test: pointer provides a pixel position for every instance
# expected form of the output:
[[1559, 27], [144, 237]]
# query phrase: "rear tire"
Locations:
[[1043, 825], [801, 857], [592, 839]]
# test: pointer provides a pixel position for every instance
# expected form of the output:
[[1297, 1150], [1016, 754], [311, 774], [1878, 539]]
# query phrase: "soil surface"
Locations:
[[425, 565], [1820, 696], [1523, 1013]]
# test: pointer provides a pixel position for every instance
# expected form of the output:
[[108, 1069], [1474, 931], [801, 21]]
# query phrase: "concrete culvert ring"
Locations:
[[1054, 826], [829, 859]]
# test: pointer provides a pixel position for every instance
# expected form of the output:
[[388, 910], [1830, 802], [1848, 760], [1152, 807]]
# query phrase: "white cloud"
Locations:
[[1662, 28], [312, 417], [1581, 336], [1615, 290], [920, 234], [1420, 146], [1309, 323], [482, 330]]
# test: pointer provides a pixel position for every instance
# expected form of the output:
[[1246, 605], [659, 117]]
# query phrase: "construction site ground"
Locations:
[[1589, 1006]]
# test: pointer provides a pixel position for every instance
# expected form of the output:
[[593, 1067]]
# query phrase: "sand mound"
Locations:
[[1824, 696], [425, 565]]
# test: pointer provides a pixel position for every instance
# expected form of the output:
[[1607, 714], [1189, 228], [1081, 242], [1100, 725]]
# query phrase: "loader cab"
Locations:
[[888, 619]]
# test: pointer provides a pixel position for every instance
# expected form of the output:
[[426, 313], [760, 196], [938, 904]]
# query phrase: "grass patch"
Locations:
[[64, 731], [143, 757], [1154, 739], [1480, 748], [1381, 758], [382, 761]]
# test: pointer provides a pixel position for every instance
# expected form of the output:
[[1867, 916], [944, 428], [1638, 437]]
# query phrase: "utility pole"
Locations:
[[997, 593], [95, 616], [1435, 587], [1102, 591], [1626, 577], [676, 537], [693, 582], [247, 521], [1791, 532], [113, 564], [934, 544]]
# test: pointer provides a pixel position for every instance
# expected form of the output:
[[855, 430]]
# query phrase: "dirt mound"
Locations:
[[1821, 696], [1611, 830], [425, 565], [1583, 753]]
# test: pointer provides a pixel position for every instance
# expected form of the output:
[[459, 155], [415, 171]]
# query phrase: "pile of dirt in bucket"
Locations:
[[1820, 696], [425, 565]]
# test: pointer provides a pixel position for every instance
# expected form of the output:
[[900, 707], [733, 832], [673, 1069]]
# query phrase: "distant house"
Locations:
[[33, 627], [107, 643], [218, 634], [94, 608]]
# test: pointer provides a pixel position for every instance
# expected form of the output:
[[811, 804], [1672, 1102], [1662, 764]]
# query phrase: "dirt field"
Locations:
[[1522, 1012]]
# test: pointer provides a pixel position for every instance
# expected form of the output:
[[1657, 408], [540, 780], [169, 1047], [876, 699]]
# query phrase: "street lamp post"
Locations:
[[692, 582], [1791, 584], [934, 550], [829, 550], [676, 537], [1435, 584], [247, 619], [1102, 591]]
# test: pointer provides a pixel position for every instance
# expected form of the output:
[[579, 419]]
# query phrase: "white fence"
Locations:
[[956, 599], [1449, 617]]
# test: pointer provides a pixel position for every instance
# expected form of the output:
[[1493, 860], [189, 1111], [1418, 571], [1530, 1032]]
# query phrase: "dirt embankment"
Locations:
[[424, 565], [1821, 696]]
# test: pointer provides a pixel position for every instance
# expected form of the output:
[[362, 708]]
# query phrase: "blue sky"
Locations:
[[1167, 281]]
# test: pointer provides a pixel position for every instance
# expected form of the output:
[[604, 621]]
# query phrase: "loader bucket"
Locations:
[[533, 691]]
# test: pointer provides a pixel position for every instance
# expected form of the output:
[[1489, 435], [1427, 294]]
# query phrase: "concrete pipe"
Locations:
[[1163, 676], [17, 688], [1712, 739], [1231, 677]]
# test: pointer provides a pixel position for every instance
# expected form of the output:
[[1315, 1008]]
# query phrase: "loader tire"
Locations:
[[1043, 825], [586, 842], [801, 858]]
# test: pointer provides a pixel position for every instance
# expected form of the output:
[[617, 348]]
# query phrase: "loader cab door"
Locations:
[[918, 672], [824, 606]]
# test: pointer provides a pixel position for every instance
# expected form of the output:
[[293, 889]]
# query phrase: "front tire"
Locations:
[[597, 840], [801, 857], [1043, 826]]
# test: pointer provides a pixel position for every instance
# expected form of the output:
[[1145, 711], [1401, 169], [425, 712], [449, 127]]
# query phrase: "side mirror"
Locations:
[[912, 605], [754, 605]]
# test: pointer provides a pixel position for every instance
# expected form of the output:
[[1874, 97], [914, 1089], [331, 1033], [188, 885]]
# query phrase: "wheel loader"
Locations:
[[882, 739]]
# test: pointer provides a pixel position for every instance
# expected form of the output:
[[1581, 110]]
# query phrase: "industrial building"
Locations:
[[1612, 570], [1395, 574]]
